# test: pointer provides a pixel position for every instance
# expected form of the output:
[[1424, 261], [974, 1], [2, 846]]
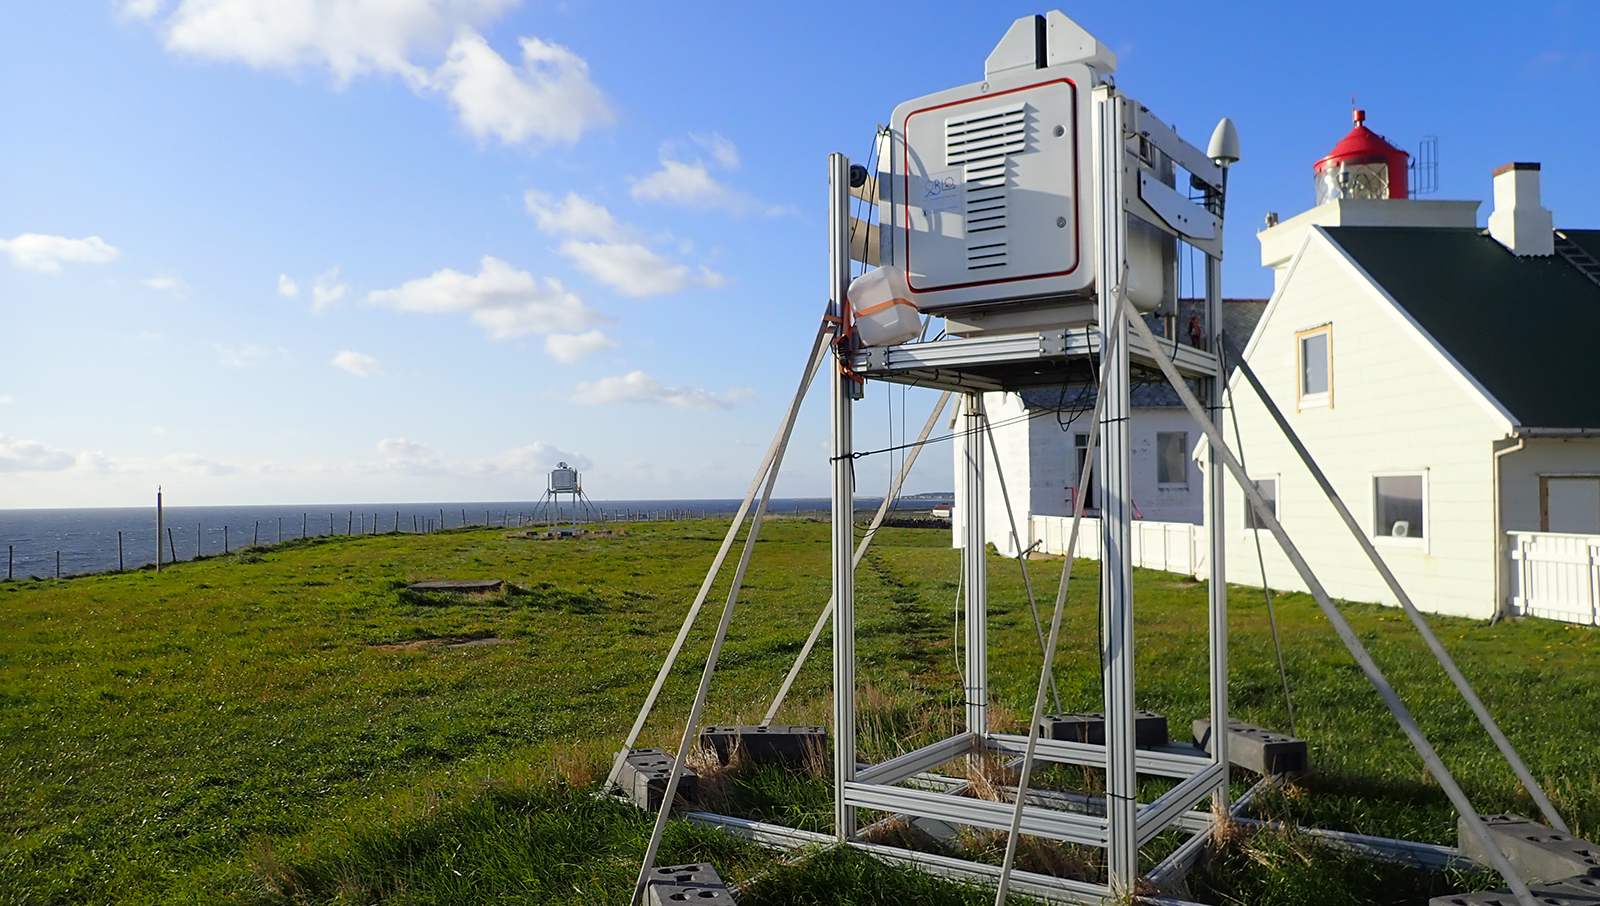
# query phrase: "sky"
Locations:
[[322, 251]]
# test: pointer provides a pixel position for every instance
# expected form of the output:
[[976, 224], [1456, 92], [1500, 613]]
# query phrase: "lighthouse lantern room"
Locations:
[[1362, 165]]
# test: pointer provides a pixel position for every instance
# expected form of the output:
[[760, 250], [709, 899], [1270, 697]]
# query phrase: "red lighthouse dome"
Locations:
[[1362, 165]]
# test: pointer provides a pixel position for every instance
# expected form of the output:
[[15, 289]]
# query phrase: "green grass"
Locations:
[[274, 727]]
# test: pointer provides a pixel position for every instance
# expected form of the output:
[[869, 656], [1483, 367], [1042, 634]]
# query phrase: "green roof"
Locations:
[[1527, 329]]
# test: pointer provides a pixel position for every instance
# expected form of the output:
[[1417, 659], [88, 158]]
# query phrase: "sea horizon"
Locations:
[[103, 539]]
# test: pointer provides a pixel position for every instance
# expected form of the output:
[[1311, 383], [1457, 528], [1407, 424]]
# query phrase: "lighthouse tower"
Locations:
[[1362, 165]]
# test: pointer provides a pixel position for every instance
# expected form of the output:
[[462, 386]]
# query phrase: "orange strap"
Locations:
[[874, 309]]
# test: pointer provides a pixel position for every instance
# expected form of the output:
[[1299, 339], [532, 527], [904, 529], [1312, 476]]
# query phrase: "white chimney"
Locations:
[[1519, 222]]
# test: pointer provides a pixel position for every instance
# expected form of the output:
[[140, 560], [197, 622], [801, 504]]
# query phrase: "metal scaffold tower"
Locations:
[[1022, 320]]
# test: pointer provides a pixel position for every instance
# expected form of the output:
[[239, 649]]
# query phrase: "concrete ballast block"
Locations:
[[1257, 748], [644, 778], [671, 885], [1538, 853], [775, 744], [1580, 891], [1149, 728]]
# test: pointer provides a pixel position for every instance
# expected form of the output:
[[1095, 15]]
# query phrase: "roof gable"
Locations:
[[1525, 329]]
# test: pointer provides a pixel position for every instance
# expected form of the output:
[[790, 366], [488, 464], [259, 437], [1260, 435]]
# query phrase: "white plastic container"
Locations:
[[884, 313]]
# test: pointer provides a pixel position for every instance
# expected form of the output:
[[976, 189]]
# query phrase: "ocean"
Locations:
[[102, 539]]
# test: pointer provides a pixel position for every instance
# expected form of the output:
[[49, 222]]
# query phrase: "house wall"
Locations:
[[1397, 405], [1520, 471], [1039, 462]]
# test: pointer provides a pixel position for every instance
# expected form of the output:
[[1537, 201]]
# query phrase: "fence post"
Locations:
[[255, 541], [224, 539], [171, 544], [11, 556], [58, 564], [280, 529], [302, 526], [119, 552]]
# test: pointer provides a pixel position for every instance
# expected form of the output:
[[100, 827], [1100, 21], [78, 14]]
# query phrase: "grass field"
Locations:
[[291, 725]]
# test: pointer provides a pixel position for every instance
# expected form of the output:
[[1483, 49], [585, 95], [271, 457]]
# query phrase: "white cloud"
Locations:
[[194, 464], [620, 260], [690, 183], [536, 457], [348, 37], [634, 269], [325, 290], [400, 448], [39, 252], [141, 9], [239, 357], [718, 147], [567, 347], [287, 287], [356, 363], [32, 456], [6, 399], [163, 283], [549, 98], [638, 387], [502, 300], [575, 216]]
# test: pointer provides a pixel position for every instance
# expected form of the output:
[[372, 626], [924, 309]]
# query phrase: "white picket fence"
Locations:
[[1174, 547], [1555, 576]]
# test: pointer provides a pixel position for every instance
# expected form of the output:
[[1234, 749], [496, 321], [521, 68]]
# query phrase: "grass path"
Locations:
[[269, 726]]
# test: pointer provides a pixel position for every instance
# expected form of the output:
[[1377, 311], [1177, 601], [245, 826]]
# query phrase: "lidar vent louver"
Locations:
[[982, 144]]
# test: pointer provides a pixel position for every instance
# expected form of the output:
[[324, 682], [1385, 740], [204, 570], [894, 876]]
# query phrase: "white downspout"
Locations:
[[1501, 553]]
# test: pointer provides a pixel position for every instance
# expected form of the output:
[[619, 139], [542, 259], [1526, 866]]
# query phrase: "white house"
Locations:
[[1445, 378], [1041, 436]]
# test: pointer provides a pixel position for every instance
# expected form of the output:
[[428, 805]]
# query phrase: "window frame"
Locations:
[[1423, 543], [1187, 455], [1305, 400], [1248, 512]]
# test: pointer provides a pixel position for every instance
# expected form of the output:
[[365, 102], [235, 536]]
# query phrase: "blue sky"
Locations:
[[282, 251]]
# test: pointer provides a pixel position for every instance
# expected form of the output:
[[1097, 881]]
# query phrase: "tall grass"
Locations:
[[291, 725]]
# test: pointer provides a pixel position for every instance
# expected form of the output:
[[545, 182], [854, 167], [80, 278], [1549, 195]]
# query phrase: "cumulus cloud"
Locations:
[[567, 347], [325, 290], [356, 363], [32, 456], [40, 252], [690, 183], [638, 387], [550, 97], [287, 287], [575, 216], [164, 282], [239, 357], [6, 399], [634, 269], [620, 260], [348, 37], [502, 300]]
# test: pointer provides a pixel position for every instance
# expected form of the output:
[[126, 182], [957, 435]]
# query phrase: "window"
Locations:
[[1269, 489], [1397, 506], [1569, 504], [1081, 445], [1172, 458], [1315, 358]]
